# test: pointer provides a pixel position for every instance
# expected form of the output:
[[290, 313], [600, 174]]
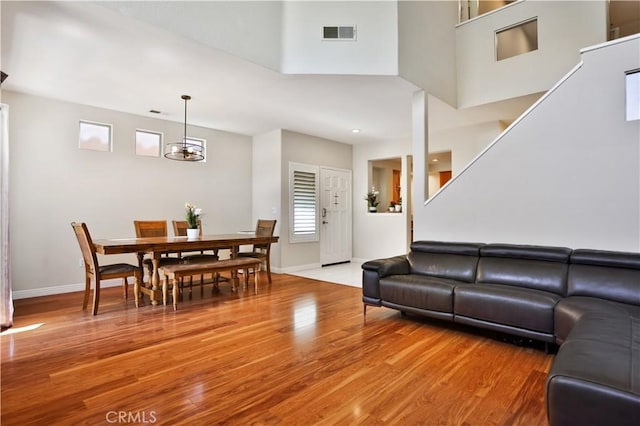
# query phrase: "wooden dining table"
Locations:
[[157, 246]]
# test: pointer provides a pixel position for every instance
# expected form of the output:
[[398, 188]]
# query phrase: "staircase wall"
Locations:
[[566, 173]]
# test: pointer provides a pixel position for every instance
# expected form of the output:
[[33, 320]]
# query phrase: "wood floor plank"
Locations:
[[299, 352]]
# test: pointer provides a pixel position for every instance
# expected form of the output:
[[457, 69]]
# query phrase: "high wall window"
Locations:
[[303, 203], [148, 143], [517, 39]]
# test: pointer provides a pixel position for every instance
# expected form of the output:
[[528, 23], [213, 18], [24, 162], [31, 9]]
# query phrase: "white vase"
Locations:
[[373, 209], [193, 234], [398, 207]]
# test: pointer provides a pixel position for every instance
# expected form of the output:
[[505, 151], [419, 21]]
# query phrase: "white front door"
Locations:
[[335, 216]]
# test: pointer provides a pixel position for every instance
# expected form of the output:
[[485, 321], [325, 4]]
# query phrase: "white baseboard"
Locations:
[[298, 268], [59, 289]]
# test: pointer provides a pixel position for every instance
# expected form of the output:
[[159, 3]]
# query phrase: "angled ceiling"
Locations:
[[89, 54]]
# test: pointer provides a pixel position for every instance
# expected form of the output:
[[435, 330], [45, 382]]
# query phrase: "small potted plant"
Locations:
[[372, 199], [193, 218], [392, 206], [398, 205]]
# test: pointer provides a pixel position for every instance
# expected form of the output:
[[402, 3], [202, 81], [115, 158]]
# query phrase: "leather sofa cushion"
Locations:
[[509, 305], [533, 274], [594, 382], [615, 329], [605, 282], [527, 252], [419, 291], [465, 249], [443, 265], [612, 259], [535, 267], [456, 261], [569, 310]]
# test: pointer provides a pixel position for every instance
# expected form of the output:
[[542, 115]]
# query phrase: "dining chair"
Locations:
[[264, 228], [93, 271], [149, 229], [180, 230]]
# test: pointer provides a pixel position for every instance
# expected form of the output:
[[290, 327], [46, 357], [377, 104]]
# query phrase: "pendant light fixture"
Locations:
[[184, 151]]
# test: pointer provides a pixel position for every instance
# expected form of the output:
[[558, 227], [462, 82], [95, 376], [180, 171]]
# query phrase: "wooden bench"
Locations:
[[177, 272]]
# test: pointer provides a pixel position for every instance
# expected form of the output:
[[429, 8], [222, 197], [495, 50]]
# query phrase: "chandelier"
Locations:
[[185, 150]]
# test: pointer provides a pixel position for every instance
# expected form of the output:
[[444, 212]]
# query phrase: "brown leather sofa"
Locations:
[[586, 301]]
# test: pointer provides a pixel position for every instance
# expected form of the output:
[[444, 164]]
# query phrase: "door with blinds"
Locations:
[[335, 216]]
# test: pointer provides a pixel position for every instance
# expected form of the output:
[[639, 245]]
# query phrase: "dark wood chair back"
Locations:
[[264, 228], [86, 247]]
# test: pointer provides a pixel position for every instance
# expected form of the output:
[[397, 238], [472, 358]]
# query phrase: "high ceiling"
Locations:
[[88, 54]]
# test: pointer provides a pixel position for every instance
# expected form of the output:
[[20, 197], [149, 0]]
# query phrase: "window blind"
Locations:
[[304, 203]]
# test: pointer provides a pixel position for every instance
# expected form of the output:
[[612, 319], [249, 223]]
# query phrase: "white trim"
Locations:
[[609, 43], [60, 289]]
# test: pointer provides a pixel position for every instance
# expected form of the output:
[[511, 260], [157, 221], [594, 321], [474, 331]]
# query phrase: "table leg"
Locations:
[[234, 272], [155, 278]]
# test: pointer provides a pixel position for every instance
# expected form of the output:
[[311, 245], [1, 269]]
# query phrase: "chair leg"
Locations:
[[269, 270], [125, 288], [136, 289], [255, 279], [87, 290], [165, 285], [96, 297]]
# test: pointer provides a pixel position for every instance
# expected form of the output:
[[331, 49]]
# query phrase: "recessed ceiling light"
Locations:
[[355, 131], [435, 160]]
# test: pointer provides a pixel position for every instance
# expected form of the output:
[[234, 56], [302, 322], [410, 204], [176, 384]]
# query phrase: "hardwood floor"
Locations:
[[298, 353]]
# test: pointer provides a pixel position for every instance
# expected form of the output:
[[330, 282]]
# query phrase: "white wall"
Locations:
[[248, 29], [54, 183], [377, 235], [465, 143], [374, 52], [266, 189], [300, 148], [566, 174], [427, 46], [564, 27]]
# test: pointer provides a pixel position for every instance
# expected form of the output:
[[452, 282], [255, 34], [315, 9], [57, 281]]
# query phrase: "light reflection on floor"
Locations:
[[15, 330], [304, 314]]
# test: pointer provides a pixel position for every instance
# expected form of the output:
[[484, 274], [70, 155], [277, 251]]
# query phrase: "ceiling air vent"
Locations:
[[339, 33]]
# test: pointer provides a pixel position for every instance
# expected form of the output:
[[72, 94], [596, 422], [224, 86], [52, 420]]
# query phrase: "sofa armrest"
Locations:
[[397, 265], [373, 270]]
